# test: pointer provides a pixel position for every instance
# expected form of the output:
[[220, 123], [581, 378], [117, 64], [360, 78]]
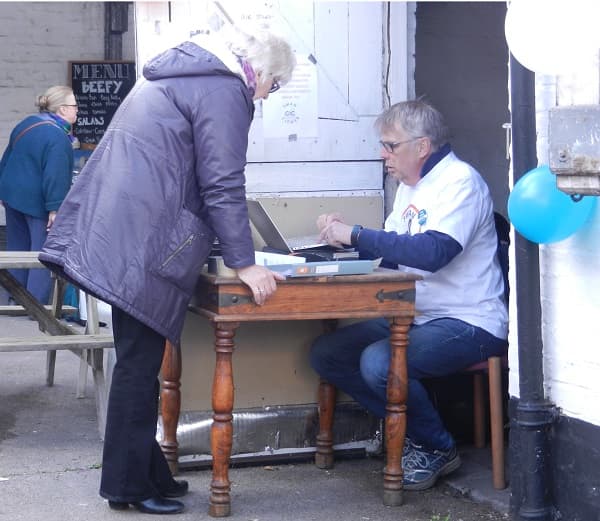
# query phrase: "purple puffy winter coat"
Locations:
[[167, 177]]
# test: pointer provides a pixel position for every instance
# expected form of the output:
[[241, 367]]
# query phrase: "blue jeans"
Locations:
[[27, 233], [356, 359]]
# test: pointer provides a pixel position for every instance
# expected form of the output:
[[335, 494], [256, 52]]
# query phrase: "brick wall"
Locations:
[[37, 40]]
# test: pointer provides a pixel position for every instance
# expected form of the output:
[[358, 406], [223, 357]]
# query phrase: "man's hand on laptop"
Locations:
[[326, 219], [333, 230], [260, 280]]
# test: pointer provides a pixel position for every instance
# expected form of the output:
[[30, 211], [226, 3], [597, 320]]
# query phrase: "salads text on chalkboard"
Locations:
[[99, 88]]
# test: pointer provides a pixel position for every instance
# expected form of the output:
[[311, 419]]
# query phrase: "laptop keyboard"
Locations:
[[305, 241]]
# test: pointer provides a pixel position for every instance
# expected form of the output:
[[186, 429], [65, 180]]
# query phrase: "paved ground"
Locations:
[[50, 454]]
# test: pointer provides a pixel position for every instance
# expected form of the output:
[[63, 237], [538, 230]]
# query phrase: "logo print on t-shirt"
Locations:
[[422, 218], [408, 215]]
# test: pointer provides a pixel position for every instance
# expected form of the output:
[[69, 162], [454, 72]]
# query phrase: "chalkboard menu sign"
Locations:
[[99, 88]]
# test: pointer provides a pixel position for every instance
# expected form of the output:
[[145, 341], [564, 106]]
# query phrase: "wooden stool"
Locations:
[[493, 366]]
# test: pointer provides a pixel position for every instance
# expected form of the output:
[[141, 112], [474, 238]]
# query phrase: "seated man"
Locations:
[[441, 227]]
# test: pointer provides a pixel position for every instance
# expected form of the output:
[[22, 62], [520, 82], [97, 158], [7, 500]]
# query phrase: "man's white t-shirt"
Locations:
[[453, 199]]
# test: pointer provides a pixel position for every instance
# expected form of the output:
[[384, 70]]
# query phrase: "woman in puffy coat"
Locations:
[[137, 227], [35, 176]]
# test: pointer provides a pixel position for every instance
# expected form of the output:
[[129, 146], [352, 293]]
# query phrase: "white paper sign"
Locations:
[[293, 111]]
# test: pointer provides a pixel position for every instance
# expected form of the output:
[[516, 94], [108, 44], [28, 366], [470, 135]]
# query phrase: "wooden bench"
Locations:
[[20, 311], [89, 347], [56, 343]]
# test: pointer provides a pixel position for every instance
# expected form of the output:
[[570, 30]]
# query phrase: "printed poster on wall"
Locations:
[[293, 110]]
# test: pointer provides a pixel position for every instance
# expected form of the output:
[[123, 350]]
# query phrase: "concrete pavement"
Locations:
[[50, 455]]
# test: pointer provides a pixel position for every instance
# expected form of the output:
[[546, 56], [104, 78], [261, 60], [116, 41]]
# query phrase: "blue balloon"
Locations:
[[540, 212]]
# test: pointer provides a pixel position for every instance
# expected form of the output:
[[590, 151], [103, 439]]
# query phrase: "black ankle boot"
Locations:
[[178, 489], [153, 505]]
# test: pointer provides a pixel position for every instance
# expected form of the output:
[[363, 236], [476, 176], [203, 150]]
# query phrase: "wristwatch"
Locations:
[[356, 229]]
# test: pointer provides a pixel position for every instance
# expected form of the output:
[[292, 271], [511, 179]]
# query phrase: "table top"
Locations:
[[378, 275], [387, 293], [19, 259]]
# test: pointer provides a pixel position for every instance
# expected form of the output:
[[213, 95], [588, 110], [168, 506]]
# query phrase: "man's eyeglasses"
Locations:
[[274, 87], [390, 146], [66, 105]]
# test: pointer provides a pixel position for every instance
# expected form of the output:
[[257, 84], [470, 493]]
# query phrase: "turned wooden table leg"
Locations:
[[170, 403], [395, 420], [324, 455], [326, 397], [222, 428]]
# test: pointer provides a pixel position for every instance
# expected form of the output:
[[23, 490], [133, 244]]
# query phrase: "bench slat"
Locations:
[[56, 343], [18, 311]]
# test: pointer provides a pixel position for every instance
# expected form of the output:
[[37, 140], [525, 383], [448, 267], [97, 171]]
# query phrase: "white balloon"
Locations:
[[554, 36]]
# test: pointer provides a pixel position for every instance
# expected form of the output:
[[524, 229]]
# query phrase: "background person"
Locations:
[[441, 227], [139, 223], [35, 176]]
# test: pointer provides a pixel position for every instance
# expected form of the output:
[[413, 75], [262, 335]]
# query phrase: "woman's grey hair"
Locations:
[[53, 98], [267, 53], [417, 119]]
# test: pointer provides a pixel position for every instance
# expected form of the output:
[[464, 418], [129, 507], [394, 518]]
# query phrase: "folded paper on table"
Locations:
[[263, 258]]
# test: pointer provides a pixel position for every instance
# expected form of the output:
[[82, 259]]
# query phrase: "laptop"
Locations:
[[277, 242]]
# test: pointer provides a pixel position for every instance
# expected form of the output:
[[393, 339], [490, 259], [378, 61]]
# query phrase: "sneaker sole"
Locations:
[[449, 467]]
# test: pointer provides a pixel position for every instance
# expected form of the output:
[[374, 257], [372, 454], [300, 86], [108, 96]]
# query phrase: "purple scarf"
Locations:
[[250, 75]]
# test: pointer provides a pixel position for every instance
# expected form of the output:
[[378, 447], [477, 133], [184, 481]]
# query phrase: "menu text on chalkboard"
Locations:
[[99, 88]]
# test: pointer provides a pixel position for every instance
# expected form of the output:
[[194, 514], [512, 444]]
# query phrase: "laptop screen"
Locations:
[[273, 237]]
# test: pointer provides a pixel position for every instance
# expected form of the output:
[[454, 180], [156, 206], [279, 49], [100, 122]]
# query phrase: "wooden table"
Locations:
[[227, 302]]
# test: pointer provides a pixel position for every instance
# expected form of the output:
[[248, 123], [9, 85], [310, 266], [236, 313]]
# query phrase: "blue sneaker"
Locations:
[[422, 467], [409, 446]]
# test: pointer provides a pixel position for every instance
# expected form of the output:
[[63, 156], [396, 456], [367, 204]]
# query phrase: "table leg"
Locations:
[[327, 395], [395, 420], [170, 403], [324, 455], [221, 437]]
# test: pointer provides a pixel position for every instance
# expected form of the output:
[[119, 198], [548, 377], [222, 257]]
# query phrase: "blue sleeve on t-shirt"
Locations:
[[428, 251]]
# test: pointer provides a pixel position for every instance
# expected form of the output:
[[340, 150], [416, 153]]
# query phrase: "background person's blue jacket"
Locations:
[[35, 172]]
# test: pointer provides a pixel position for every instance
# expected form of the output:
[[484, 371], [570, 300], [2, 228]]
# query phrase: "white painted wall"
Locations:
[[347, 40], [570, 284]]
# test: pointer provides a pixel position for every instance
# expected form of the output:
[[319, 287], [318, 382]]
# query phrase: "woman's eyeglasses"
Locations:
[[274, 87]]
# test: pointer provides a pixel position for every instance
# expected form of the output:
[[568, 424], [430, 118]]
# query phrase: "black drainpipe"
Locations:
[[115, 24], [533, 415]]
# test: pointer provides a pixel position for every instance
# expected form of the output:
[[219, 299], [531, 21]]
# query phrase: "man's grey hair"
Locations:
[[418, 119]]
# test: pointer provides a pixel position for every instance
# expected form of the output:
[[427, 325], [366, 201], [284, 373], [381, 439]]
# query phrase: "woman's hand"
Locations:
[[51, 217], [261, 280]]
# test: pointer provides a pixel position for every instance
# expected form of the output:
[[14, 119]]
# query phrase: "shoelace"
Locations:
[[416, 458]]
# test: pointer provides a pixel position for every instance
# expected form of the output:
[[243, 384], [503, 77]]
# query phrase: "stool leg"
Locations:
[[478, 411], [496, 421]]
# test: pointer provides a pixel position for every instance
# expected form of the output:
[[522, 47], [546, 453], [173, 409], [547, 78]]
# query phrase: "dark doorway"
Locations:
[[461, 67]]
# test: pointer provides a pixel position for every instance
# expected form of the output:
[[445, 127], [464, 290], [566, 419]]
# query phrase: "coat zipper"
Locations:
[[187, 242]]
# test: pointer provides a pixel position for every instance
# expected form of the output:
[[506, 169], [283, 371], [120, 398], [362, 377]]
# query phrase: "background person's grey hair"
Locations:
[[267, 53], [418, 119], [53, 98]]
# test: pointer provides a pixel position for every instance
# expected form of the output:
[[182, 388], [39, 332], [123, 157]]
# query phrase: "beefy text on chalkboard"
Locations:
[[99, 88]]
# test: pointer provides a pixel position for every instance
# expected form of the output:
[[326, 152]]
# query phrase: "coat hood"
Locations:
[[207, 57]]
